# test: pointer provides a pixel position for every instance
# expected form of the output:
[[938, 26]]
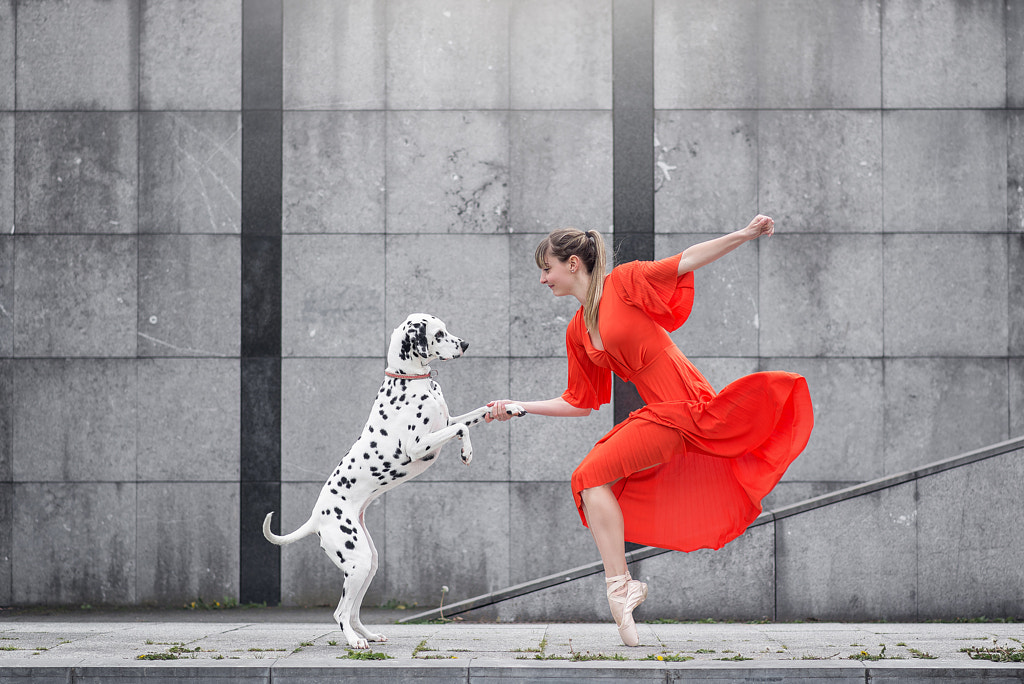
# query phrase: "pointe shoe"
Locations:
[[625, 594]]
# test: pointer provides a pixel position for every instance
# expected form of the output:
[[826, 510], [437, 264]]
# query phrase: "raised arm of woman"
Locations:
[[704, 253], [548, 407]]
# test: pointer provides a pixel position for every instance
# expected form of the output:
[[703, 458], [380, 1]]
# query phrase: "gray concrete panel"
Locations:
[[188, 419], [1015, 170], [705, 54], [77, 55], [945, 295], [332, 294], [191, 55], [560, 54], [333, 172], [448, 172], [789, 492], [545, 448], [6, 541], [1016, 295], [846, 444], [1016, 397], [820, 295], [6, 172], [189, 295], [7, 295], [188, 538], [334, 55], [452, 534], [76, 172], [461, 279], [821, 171], [560, 171], [74, 420], [308, 577], [537, 318], [6, 420], [324, 405], [970, 541], [734, 582], [827, 72], [91, 555], [855, 558], [944, 170], [443, 55], [545, 531], [190, 172], [724, 319], [705, 175], [943, 53], [7, 32], [583, 599], [1014, 56], [75, 295], [938, 408]]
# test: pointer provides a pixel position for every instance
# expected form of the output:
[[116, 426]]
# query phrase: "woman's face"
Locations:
[[556, 275]]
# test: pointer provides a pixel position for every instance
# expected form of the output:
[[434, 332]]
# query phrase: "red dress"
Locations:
[[690, 467]]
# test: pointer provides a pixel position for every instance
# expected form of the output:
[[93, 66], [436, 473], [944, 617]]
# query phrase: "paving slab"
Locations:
[[277, 644]]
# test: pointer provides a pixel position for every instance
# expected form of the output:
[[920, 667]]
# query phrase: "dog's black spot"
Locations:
[[334, 491], [367, 455], [419, 415], [373, 469], [426, 421], [369, 428], [411, 428], [342, 559], [373, 445], [346, 530], [383, 432], [429, 457]]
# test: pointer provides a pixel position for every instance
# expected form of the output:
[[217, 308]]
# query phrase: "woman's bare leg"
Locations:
[[604, 517]]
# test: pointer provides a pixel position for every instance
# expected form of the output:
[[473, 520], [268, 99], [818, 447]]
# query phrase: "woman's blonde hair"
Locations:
[[589, 247]]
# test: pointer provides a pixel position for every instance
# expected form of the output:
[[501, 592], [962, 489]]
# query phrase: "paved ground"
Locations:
[[250, 644]]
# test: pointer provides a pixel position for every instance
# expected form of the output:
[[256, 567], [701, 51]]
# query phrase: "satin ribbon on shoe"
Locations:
[[625, 594]]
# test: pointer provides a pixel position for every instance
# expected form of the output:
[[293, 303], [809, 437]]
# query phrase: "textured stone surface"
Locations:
[[191, 55], [333, 172], [825, 72], [865, 565], [91, 554], [725, 319], [76, 172], [943, 53], [969, 549], [544, 448], [187, 557], [333, 296], [334, 55], [705, 175], [742, 587], [561, 171], [447, 172], [938, 408], [190, 172], [848, 398], [821, 171], [6, 420], [7, 32], [189, 295], [1016, 294], [702, 55], [447, 55], [188, 412], [565, 542], [77, 55], [429, 544], [1016, 397], [6, 173], [537, 319], [1014, 56], [6, 541], [308, 577], [944, 171], [560, 54], [821, 295], [74, 420], [945, 295], [461, 279], [6, 295], [1015, 170]]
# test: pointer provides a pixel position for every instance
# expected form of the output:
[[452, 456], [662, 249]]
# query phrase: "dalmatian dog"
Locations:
[[408, 425]]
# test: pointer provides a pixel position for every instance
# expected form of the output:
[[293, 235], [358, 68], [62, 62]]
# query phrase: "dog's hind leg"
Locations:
[[347, 546], [356, 623]]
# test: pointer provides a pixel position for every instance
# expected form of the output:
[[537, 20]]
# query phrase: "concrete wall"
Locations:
[[426, 146]]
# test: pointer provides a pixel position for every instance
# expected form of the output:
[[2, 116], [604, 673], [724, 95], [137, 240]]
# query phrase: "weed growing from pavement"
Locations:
[[364, 655], [996, 653]]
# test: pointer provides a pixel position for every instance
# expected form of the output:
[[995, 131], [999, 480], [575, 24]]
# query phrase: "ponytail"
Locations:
[[589, 247]]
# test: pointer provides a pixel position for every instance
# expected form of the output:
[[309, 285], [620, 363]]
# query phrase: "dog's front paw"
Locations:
[[515, 410], [467, 454]]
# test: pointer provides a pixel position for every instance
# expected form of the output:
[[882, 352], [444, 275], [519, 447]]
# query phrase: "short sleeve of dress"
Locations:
[[656, 288], [589, 385]]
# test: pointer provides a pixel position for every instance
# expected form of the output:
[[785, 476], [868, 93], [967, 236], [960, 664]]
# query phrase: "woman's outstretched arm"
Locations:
[[548, 407], [703, 253]]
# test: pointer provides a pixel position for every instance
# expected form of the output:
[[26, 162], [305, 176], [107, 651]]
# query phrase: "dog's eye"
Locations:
[[439, 336]]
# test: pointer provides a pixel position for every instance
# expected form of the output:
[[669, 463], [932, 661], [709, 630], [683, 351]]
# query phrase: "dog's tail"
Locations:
[[308, 528]]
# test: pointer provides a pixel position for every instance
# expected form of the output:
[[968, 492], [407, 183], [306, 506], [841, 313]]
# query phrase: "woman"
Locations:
[[689, 469]]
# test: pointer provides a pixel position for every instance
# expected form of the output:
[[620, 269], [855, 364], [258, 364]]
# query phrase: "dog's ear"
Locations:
[[420, 346]]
